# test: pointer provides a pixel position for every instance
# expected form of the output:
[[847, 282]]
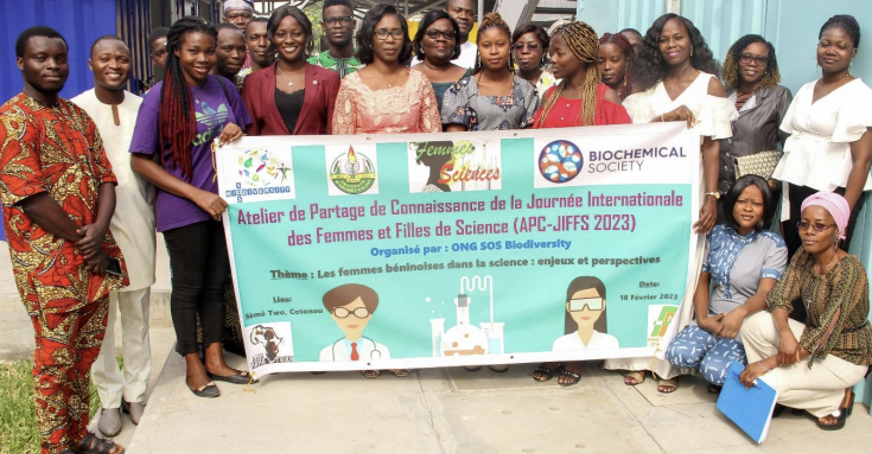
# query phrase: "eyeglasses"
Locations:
[[592, 304], [760, 60], [360, 312], [342, 20], [817, 226], [383, 33], [531, 47], [434, 34]]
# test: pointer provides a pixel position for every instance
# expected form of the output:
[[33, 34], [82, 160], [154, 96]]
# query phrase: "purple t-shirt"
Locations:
[[212, 110]]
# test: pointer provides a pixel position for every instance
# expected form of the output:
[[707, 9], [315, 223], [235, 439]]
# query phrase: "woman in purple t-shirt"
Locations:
[[179, 119]]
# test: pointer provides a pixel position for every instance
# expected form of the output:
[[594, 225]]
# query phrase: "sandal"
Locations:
[[638, 376], [472, 368], [92, 444], [371, 373], [499, 368], [841, 418], [402, 373], [573, 377], [543, 374], [714, 389], [664, 383]]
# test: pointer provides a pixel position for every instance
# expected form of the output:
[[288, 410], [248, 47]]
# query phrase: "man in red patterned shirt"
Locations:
[[58, 195]]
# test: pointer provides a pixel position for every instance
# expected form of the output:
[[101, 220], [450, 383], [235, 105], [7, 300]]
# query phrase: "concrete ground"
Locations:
[[442, 411], [433, 411]]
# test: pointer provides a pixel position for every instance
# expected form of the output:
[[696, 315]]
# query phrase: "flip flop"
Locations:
[[639, 376], [714, 389], [370, 373]]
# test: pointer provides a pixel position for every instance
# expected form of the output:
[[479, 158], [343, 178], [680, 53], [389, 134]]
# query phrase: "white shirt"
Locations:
[[132, 225], [818, 152], [714, 115], [468, 52], [571, 342]]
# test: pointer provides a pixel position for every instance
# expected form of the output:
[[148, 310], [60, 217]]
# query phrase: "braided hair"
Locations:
[[847, 23], [493, 20], [629, 55], [177, 124], [770, 78], [584, 44]]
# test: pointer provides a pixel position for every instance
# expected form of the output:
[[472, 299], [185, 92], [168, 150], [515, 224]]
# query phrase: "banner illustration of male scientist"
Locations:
[[432, 250]]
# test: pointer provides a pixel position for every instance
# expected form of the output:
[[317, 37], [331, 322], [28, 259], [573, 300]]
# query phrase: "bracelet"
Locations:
[[761, 366]]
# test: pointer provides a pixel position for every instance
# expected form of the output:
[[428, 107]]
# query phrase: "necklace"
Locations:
[[202, 92], [571, 90], [290, 82]]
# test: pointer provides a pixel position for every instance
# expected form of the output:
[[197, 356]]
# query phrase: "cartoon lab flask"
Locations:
[[464, 339]]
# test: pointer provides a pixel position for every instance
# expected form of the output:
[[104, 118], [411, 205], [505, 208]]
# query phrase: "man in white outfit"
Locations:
[[114, 110]]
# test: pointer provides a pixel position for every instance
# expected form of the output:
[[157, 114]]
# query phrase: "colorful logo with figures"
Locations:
[[560, 161], [352, 173], [259, 168]]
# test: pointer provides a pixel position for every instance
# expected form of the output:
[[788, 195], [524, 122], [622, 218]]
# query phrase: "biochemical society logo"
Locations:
[[260, 173], [603, 158], [352, 172], [560, 161]]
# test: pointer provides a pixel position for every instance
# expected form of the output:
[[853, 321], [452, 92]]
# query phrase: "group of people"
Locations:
[[86, 182]]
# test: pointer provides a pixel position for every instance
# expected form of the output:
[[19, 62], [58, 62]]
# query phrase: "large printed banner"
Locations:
[[430, 250]]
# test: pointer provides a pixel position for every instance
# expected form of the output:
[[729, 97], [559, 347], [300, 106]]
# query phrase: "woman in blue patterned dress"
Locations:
[[745, 261]]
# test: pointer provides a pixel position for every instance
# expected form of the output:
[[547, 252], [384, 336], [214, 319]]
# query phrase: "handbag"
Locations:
[[761, 164]]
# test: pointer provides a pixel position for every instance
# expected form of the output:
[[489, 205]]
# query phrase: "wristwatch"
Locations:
[[715, 194]]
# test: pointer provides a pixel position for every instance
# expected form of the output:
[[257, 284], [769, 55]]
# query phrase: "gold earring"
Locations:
[[691, 52]]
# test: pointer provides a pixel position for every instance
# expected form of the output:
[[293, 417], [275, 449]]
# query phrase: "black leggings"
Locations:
[[199, 266]]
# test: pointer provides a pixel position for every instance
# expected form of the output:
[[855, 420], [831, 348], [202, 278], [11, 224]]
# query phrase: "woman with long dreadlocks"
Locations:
[[751, 77], [179, 119], [580, 99], [493, 97], [616, 56], [678, 82]]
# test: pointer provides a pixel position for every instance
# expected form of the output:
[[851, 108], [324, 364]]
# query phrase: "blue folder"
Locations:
[[751, 408]]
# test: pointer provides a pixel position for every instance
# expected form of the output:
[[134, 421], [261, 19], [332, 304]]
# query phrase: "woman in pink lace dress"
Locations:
[[385, 97]]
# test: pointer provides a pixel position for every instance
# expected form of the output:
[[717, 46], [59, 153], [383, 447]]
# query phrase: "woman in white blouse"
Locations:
[[830, 147], [677, 75]]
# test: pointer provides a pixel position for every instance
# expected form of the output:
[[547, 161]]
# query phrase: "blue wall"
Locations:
[[79, 21]]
